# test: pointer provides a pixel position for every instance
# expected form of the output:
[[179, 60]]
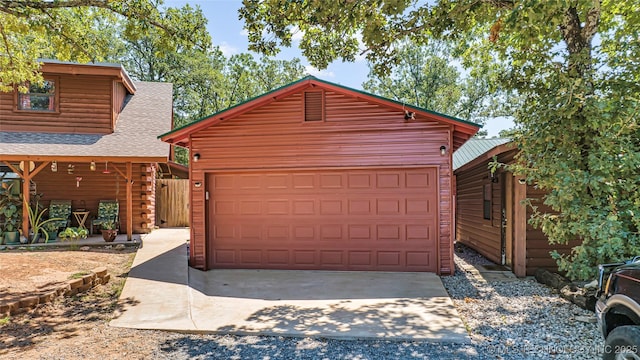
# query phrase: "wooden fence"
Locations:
[[172, 202]]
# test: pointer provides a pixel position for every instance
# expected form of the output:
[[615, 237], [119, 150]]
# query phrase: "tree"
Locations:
[[204, 80], [573, 64], [73, 30], [427, 77]]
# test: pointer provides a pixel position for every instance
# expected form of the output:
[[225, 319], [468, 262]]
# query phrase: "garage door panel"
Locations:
[[304, 258], [389, 258], [331, 181], [388, 207], [360, 233], [368, 219], [359, 181], [418, 207], [390, 180]]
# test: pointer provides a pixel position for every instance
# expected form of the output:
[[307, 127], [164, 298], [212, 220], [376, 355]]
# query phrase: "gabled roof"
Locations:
[[479, 148], [147, 114], [462, 129], [110, 69]]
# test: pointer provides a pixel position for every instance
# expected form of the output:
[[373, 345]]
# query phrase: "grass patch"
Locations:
[[78, 275], [4, 321]]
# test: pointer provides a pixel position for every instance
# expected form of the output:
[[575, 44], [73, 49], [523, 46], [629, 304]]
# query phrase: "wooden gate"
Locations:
[[172, 202]]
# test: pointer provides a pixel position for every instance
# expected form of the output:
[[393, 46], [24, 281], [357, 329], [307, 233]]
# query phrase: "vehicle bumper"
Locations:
[[600, 311]]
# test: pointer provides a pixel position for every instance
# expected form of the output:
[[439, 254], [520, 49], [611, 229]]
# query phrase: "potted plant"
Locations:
[[73, 233], [109, 230], [10, 211], [37, 223], [11, 221], [51, 229]]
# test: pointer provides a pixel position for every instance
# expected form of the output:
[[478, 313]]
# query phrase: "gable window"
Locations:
[[40, 97], [486, 201], [313, 106]]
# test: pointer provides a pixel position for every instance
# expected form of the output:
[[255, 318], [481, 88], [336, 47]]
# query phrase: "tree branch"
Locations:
[[6, 44], [13, 6], [591, 22]]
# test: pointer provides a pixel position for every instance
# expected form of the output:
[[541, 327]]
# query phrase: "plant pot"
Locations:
[[109, 235], [53, 236], [11, 237], [34, 238]]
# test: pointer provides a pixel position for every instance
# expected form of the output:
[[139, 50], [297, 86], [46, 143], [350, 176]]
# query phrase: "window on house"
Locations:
[[486, 203], [40, 97], [313, 106]]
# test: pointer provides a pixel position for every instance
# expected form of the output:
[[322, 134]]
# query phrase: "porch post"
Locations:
[[26, 182], [129, 201], [26, 176]]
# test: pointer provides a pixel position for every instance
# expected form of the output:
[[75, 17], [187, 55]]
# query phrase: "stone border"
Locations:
[[98, 276]]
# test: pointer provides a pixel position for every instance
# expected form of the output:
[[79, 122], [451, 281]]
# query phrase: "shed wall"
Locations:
[[538, 247], [471, 228]]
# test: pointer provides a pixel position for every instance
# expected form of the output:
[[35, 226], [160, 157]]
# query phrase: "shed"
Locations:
[[491, 215], [315, 175]]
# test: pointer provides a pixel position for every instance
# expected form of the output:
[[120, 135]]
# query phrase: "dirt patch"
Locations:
[[28, 271], [68, 328]]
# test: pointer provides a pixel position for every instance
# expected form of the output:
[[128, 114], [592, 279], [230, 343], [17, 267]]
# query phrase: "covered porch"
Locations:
[[85, 182]]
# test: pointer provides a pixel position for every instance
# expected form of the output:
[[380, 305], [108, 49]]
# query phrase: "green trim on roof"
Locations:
[[400, 103], [310, 77]]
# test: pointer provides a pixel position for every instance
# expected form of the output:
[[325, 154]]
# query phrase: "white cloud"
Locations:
[[244, 32], [296, 34], [310, 70], [227, 49]]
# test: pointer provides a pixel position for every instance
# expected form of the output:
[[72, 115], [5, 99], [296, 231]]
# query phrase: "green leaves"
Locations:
[[573, 65], [79, 32]]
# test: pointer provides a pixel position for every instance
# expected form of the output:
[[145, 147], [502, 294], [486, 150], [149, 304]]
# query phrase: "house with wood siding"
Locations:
[[491, 215], [88, 133], [315, 175]]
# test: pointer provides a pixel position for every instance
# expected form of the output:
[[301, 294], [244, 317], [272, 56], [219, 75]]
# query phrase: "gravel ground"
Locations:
[[518, 319], [506, 319]]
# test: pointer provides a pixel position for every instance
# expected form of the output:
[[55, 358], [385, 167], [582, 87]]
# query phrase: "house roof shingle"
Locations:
[[147, 114], [474, 148]]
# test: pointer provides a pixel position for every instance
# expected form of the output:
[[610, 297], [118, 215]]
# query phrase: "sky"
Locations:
[[227, 32]]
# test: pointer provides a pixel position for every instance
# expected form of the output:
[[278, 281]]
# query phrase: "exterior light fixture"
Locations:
[[196, 157], [92, 166], [443, 150], [70, 169], [54, 166]]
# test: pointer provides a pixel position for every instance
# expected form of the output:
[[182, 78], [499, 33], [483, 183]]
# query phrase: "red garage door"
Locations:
[[360, 219]]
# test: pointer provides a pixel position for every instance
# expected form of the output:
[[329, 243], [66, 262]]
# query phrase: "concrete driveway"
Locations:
[[163, 293]]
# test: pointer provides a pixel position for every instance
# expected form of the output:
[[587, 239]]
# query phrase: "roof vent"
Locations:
[[313, 106]]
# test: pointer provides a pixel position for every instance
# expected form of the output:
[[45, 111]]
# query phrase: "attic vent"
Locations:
[[313, 106]]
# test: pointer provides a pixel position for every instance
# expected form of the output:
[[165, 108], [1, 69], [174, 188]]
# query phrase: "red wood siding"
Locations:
[[96, 186], [119, 94], [85, 107], [472, 228], [355, 134], [538, 246]]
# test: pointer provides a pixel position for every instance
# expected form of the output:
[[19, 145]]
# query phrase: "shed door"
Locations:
[[358, 219]]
